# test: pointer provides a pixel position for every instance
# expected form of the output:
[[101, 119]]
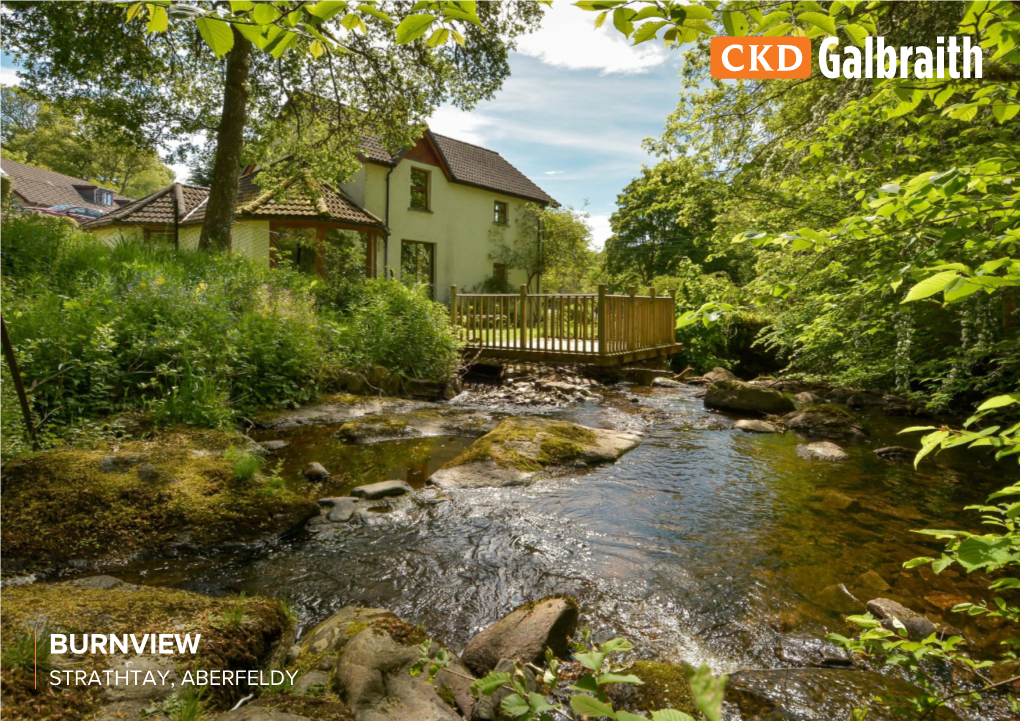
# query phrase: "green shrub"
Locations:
[[195, 337], [245, 464], [402, 329], [28, 651]]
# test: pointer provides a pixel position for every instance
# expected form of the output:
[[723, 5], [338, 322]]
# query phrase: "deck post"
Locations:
[[602, 320], [672, 318], [522, 319], [631, 291], [453, 305], [650, 334]]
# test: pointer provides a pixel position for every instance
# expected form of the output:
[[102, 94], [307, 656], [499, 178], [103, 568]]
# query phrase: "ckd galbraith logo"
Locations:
[[759, 58]]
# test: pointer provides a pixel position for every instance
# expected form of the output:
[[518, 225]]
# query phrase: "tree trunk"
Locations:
[[222, 203]]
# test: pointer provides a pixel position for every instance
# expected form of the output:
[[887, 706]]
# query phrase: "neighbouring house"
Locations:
[[423, 215], [33, 187]]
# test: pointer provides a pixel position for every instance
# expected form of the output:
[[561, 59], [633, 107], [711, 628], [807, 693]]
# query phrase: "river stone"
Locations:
[[340, 509], [822, 451], [373, 675], [740, 396], [521, 448], [382, 489], [524, 635], [896, 453], [808, 398], [819, 694], [644, 376], [305, 681], [274, 445], [918, 626], [827, 421], [719, 374], [755, 426], [798, 649], [315, 472]]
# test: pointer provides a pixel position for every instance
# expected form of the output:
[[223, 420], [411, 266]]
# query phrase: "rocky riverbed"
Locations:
[[727, 535]]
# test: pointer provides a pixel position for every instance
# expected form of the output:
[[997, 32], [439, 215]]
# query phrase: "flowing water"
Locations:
[[702, 544]]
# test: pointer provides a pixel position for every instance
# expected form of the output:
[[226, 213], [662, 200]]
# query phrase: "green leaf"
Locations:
[[983, 552], [648, 30], [538, 704], [327, 8], [591, 706], [515, 705], [621, 20], [254, 34], [217, 35], [592, 660], [413, 27], [617, 644], [930, 286], [439, 37], [856, 33], [1004, 113], [819, 20], [587, 683], [670, 715], [158, 20], [618, 678], [488, 685], [374, 12], [264, 13], [601, 18], [735, 23], [1000, 401], [628, 716]]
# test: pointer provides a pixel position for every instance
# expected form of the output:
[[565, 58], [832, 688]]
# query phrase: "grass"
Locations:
[[244, 463], [186, 705], [28, 651]]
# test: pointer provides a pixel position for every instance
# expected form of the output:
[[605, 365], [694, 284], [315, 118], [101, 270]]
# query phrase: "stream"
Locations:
[[704, 544]]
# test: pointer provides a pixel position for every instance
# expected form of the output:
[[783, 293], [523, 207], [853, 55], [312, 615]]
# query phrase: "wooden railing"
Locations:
[[566, 323]]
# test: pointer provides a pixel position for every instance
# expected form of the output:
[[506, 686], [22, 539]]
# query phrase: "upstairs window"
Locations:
[[501, 213], [103, 197], [419, 189]]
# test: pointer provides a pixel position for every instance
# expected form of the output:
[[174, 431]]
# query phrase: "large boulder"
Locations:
[[718, 374], [821, 694], [177, 493], [739, 396], [369, 653], [664, 686], [519, 449], [417, 423], [524, 635], [234, 633], [825, 421]]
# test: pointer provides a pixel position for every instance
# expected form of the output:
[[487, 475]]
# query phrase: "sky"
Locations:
[[571, 116]]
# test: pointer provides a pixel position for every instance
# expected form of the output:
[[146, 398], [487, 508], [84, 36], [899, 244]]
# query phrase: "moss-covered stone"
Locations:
[[665, 686], [176, 492], [320, 709], [520, 448], [127, 609]]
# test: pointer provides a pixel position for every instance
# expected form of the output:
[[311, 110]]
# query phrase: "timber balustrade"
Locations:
[[567, 327]]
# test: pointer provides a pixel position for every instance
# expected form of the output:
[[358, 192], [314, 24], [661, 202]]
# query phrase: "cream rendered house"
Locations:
[[424, 215]]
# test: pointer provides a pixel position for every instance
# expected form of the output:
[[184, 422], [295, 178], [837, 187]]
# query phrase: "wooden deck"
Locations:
[[599, 328]]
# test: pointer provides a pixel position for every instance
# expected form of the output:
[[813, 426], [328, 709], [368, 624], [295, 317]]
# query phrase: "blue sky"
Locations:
[[573, 113]]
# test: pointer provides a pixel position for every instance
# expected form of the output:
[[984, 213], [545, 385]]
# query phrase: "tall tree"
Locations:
[[269, 79]]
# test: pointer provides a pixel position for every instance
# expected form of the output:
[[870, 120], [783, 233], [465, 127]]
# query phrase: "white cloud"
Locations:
[[600, 229], [568, 39], [466, 126], [8, 77], [554, 172], [181, 172]]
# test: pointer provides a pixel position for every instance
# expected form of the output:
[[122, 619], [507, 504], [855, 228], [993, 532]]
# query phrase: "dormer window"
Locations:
[[103, 197]]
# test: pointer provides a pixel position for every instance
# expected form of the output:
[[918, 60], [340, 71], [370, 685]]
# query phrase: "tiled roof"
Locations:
[[301, 198], [473, 165], [470, 165], [46, 187], [158, 208]]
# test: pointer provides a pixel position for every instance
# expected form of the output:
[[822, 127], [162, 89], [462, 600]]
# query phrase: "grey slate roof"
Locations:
[[46, 188]]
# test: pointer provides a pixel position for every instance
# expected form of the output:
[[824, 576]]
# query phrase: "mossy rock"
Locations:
[[175, 493], [520, 448], [236, 633], [665, 687]]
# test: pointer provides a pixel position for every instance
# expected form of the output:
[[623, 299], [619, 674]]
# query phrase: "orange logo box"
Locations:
[[761, 58]]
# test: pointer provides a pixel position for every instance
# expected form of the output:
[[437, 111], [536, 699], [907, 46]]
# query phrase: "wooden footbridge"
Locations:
[[594, 328]]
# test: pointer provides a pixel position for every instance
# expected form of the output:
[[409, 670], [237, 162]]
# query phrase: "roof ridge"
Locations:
[[464, 142], [133, 206]]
